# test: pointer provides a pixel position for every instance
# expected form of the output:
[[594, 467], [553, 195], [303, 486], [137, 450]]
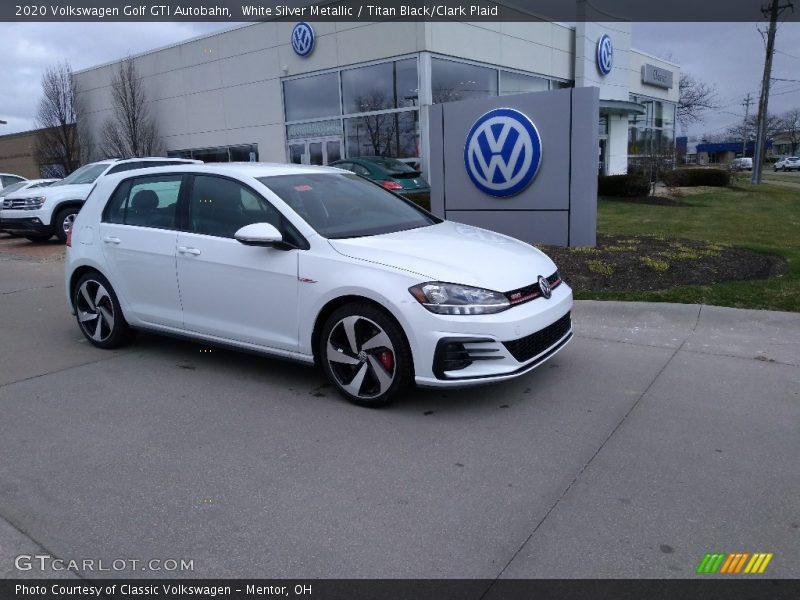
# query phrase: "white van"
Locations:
[[740, 164]]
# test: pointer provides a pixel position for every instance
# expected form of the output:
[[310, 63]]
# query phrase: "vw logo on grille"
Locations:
[[605, 54], [544, 286], [503, 152], [303, 39]]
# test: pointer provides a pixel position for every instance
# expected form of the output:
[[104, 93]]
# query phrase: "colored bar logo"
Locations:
[[731, 564]]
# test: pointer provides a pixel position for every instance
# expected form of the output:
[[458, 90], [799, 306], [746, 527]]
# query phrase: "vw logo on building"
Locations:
[[605, 54], [503, 152], [303, 39]]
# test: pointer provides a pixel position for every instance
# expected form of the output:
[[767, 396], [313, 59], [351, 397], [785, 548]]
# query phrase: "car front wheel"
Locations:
[[64, 220], [365, 354], [98, 312]]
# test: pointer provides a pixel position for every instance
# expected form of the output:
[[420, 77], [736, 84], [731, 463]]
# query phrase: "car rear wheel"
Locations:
[[98, 312], [365, 354], [64, 220]]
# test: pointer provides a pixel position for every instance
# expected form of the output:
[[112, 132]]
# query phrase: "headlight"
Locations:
[[453, 299], [34, 203]]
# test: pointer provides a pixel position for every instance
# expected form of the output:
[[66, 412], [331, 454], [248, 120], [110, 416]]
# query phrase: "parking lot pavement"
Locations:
[[661, 433]]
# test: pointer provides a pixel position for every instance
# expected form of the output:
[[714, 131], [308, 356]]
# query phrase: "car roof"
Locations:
[[245, 169]]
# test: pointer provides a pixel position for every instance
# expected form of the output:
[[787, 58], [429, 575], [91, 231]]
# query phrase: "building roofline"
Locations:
[[654, 57], [168, 46]]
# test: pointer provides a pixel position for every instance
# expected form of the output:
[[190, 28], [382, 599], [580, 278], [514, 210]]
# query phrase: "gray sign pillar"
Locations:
[[481, 149]]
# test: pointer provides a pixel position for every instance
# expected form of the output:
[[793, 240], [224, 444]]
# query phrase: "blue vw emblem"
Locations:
[[503, 152], [303, 39], [605, 54]]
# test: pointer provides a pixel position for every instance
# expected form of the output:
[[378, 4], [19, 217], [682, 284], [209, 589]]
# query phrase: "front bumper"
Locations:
[[25, 224], [458, 351]]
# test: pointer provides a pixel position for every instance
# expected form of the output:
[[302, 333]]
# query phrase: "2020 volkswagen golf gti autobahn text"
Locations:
[[314, 264]]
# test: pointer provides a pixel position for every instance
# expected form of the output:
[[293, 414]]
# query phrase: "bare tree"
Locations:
[[131, 130], [695, 99], [790, 128], [741, 130], [57, 141]]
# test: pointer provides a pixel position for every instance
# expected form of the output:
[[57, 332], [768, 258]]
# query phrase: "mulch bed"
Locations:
[[643, 263]]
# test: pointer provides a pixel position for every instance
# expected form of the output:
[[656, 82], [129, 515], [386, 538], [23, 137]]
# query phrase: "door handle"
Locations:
[[111, 240], [187, 250]]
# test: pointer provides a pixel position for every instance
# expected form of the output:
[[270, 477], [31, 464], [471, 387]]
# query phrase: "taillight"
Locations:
[[391, 185], [69, 237]]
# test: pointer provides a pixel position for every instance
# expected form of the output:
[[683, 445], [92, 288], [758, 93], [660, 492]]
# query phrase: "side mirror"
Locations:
[[259, 234]]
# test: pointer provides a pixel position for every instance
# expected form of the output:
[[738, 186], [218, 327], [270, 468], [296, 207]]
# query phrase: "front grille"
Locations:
[[531, 345], [532, 291], [20, 203]]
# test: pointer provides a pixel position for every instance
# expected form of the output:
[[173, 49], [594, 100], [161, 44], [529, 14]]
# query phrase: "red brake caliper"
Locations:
[[387, 359]]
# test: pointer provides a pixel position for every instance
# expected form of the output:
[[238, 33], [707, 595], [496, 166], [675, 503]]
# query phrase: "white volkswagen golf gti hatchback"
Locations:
[[313, 264]]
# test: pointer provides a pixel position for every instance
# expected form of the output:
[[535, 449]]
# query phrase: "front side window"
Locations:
[[339, 205], [220, 207], [145, 202]]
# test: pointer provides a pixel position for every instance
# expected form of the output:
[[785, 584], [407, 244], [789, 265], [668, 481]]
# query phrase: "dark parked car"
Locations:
[[391, 173]]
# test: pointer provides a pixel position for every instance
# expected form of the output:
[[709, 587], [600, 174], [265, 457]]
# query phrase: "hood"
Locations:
[[454, 253], [59, 192]]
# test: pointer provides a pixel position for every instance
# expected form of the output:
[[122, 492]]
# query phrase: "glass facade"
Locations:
[[376, 113], [652, 134], [239, 153], [374, 109]]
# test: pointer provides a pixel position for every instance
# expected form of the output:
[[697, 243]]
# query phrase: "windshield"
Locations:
[[13, 187], [86, 174], [392, 165], [345, 205]]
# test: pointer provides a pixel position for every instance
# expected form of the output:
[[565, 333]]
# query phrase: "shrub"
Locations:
[[600, 267], [696, 177], [623, 186]]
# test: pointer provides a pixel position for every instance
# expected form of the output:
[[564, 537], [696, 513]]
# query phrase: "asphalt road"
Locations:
[[661, 433]]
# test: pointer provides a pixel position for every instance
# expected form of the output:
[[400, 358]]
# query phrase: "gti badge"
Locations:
[[605, 54], [303, 39], [503, 152], [544, 286]]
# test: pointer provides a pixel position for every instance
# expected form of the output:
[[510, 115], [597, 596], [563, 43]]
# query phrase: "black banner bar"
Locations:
[[386, 10], [711, 588]]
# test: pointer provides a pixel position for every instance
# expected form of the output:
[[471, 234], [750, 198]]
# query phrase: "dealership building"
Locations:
[[317, 92]]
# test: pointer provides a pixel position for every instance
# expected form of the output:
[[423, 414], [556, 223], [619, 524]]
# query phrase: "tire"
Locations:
[[38, 237], [365, 354], [63, 221], [98, 312]]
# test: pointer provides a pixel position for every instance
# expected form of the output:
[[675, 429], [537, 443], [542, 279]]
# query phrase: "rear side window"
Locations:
[[11, 179], [145, 202]]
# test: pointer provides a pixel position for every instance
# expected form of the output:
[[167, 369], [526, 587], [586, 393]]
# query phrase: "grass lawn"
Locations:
[[762, 218]]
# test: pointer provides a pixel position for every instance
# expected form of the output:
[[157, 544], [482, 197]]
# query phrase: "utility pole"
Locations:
[[747, 102], [758, 156]]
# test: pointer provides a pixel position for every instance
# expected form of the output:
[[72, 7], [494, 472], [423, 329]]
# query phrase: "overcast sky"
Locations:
[[727, 55]]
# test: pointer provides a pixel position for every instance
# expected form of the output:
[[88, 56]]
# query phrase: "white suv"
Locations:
[[787, 163], [45, 212]]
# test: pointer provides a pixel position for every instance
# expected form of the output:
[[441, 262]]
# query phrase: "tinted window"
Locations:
[[146, 202], [517, 83], [311, 97], [129, 166], [452, 81], [221, 207], [382, 86], [341, 205]]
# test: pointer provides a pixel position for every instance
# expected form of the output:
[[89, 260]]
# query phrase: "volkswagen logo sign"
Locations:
[[544, 286], [303, 39], [605, 54], [503, 152]]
